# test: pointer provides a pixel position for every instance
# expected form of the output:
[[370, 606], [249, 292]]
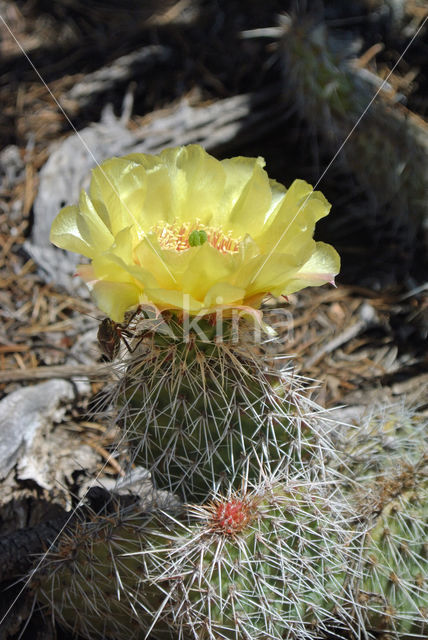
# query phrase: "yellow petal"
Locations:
[[278, 194], [223, 293], [267, 273], [165, 299], [247, 195], [249, 212], [116, 188], [293, 223], [65, 232], [256, 236], [92, 228], [110, 267], [114, 298], [322, 267], [165, 266], [205, 179], [158, 205], [207, 267], [123, 245]]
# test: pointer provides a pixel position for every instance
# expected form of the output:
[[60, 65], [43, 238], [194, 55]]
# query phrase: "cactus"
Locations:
[[394, 591], [272, 562], [278, 552], [198, 411], [385, 461], [384, 437], [197, 238], [276, 560], [387, 150], [89, 583]]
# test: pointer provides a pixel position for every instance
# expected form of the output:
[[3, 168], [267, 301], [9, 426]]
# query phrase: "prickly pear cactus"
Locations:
[[273, 561], [199, 412], [383, 438], [267, 563], [201, 240], [394, 591]]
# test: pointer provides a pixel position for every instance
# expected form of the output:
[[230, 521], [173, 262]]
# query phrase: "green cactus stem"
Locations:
[[92, 584], [384, 464], [199, 411], [273, 562], [394, 591]]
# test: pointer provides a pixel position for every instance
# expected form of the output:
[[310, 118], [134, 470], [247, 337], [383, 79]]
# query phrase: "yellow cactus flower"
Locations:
[[182, 230]]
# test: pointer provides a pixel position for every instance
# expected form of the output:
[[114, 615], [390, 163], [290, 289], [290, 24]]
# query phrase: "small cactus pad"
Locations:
[[198, 412], [94, 585], [267, 563]]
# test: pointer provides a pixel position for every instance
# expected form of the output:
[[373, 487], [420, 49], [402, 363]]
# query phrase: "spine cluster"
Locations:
[[266, 562], [386, 478]]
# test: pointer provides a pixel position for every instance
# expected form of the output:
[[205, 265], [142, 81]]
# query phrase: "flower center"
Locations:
[[183, 236]]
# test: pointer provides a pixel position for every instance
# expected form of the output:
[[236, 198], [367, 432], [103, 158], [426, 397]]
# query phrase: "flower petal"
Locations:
[[165, 299], [247, 195], [165, 267], [267, 273], [322, 267], [205, 180], [92, 228], [116, 188], [65, 232], [115, 298], [80, 229], [293, 224], [255, 236], [223, 293], [206, 268]]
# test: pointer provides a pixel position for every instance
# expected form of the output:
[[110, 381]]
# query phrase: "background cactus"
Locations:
[[385, 460], [89, 583], [387, 152], [394, 591], [384, 437]]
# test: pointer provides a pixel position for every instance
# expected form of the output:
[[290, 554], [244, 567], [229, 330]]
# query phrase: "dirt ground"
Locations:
[[364, 341]]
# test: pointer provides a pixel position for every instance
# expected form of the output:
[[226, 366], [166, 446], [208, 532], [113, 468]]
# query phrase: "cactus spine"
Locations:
[[272, 561], [205, 413], [278, 560], [93, 583], [394, 590], [266, 563], [199, 411]]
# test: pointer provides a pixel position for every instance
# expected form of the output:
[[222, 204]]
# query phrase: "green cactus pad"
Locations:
[[199, 412], [394, 591], [384, 465], [94, 586], [270, 563]]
